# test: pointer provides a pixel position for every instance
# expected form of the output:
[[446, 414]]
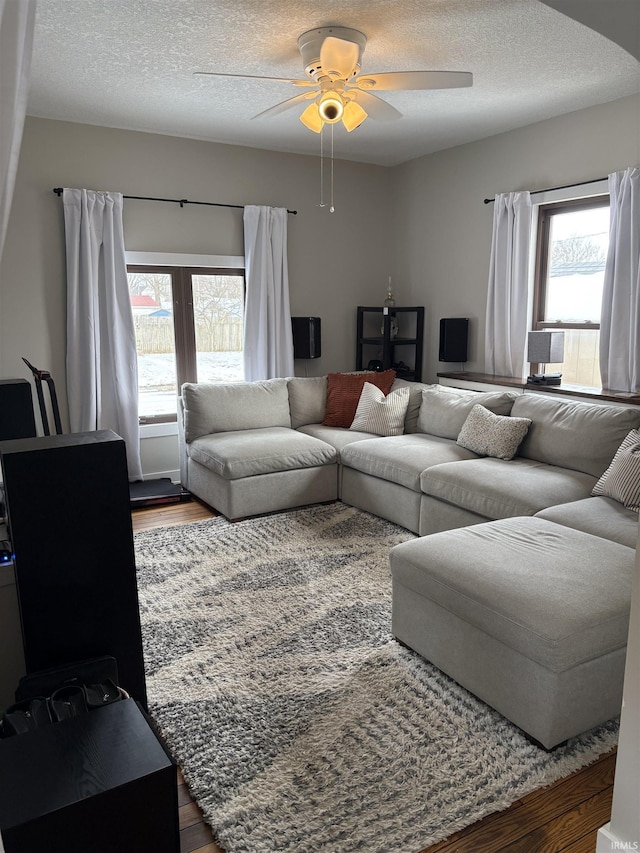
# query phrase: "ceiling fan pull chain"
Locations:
[[322, 167], [332, 208]]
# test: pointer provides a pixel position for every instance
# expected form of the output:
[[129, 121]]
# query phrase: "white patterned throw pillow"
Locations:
[[492, 435], [621, 480], [381, 415]]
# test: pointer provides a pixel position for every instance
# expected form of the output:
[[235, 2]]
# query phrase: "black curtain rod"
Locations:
[[180, 201], [550, 189]]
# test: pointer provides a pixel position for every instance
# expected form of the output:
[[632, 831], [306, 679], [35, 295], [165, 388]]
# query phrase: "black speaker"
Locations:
[[69, 519], [16, 410], [306, 337], [454, 333]]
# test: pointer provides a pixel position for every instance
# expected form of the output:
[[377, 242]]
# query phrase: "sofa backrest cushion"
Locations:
[[415, 399], [579, 436], [307, 400], [443, 413], [210, 408]]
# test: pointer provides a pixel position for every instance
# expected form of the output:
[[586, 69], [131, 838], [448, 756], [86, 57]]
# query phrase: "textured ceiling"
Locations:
[[130, 63]]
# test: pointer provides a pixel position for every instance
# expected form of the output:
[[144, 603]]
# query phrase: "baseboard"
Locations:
[[607, 842]]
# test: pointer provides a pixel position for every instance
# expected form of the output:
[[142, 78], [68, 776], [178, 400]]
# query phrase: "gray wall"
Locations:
[[443, 230], [336, 261]]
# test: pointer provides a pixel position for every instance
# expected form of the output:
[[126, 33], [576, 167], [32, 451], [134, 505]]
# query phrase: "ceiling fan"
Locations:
[[332, 58]]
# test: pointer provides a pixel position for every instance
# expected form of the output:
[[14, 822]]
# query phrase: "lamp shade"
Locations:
[[545, 347], [311, 118], [353, 116]]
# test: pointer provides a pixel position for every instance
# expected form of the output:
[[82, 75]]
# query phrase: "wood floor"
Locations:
[[562, 818]]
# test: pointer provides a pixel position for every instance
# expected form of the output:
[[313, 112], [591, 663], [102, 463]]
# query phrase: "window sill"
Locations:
[[158, 430], [603, 395]]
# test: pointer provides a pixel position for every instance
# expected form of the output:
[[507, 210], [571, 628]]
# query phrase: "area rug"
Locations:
[[300, 724]]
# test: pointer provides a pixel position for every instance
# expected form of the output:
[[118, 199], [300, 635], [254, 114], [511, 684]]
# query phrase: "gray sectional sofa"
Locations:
[[251, 448], [519, 583]]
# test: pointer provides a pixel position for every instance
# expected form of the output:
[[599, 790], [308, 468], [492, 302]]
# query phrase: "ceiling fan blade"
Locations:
[[339, 57], [395, 80], [375, 106], [285, 105], [295, 82]]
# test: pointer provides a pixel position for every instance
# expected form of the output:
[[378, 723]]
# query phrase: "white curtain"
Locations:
[[508, 291], [268, 340], [102, 371], [17, 21], [620, 320]]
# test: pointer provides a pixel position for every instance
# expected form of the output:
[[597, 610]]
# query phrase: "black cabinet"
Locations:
[[392, 336], [96, 783], [69, 520]]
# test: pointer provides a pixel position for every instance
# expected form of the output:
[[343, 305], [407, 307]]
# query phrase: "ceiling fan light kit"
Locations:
[[330, 108]]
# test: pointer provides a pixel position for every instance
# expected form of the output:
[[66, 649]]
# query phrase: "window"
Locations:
[[572, 243], [188, 324]]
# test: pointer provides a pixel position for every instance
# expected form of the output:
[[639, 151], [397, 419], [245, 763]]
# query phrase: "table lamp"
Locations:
[[545, 347]]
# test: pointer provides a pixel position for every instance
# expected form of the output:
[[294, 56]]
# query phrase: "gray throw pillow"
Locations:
[[443, 413], [492, 435]]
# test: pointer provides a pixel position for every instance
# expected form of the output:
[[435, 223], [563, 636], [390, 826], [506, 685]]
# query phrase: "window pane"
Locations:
[[218, 309], [581, 358], [578, 242], [152, 305]]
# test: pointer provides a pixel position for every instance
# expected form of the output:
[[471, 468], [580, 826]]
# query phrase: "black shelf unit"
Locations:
[[374, 341]]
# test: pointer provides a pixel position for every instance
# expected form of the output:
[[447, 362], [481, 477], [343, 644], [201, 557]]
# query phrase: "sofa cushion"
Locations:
[[534, 585], [343, 394], [246, 453], [557, 424], [443, 413], [337, 437], [600, 516], [379, 414], [307, 400], [495, 489], [492, 435], [401, 459], [210, 408]]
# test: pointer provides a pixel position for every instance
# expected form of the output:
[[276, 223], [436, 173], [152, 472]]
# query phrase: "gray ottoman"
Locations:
[[530, 616]]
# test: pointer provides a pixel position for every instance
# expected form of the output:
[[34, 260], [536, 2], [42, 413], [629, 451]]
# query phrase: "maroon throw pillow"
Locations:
[[343, 394]]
